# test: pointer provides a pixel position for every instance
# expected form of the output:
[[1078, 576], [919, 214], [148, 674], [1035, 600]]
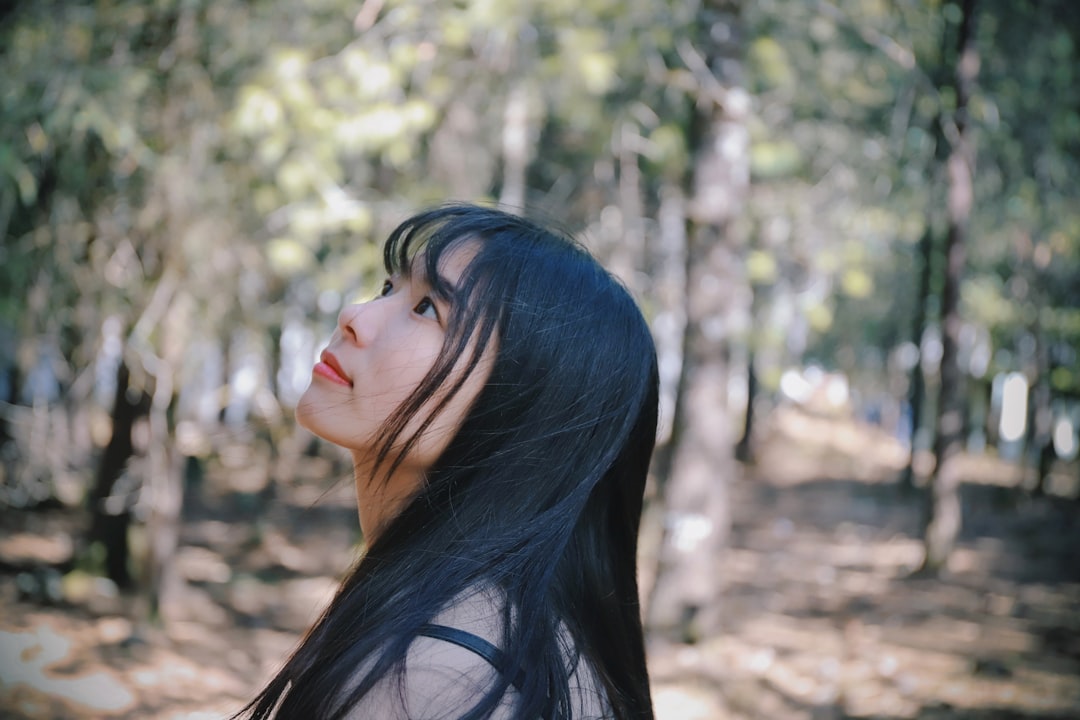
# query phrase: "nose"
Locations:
[[360, 322]]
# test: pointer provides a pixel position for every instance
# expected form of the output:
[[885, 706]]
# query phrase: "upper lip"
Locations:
[[328, 358]]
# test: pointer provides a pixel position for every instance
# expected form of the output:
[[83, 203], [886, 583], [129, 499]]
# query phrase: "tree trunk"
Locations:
[[163, 488], [685, 602], [517, 149], [669, 324], [744, 450], [1040, 443], [942, 511], [917, 387], [627, 255], [165, 495], [111, 514], [917, 390]]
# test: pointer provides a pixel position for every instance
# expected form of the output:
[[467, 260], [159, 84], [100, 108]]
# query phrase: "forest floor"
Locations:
[[822, 619]]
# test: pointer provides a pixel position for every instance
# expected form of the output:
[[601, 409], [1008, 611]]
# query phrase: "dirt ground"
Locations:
[[822, 620]]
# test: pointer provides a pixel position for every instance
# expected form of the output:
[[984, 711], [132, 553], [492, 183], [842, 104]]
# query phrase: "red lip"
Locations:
[[330, 368]]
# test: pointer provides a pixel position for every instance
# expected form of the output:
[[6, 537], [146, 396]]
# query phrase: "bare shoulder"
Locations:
[[442, 679], [479, 611]]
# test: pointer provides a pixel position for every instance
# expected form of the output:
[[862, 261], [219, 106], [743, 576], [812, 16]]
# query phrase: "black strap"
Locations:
[[478, 645]]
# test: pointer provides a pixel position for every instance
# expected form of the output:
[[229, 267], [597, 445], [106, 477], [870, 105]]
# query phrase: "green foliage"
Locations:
[[259, 151], [847, 97]]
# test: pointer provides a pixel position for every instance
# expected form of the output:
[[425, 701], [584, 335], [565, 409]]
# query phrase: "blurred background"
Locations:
[[854, 226]]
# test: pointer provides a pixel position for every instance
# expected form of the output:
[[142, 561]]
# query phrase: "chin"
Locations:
[[305, 411], [313, 414]]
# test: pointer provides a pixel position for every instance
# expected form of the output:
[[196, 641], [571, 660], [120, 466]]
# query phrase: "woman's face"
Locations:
[[377, 357]]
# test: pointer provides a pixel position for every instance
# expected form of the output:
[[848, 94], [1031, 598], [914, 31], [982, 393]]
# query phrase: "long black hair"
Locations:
[[539, 493]]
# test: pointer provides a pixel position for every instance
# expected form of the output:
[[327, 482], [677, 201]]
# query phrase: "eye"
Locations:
[[387, 287], [426, 308]]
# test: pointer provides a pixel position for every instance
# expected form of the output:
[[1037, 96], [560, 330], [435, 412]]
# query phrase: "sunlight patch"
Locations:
[[25, 657]]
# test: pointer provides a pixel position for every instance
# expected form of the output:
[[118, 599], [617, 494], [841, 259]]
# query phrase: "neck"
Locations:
[[379, 499]]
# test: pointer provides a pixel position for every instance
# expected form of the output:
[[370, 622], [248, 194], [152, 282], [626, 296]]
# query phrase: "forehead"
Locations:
[[450, 262]]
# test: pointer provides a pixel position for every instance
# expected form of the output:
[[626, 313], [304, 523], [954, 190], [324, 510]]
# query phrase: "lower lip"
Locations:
[[330, 374]]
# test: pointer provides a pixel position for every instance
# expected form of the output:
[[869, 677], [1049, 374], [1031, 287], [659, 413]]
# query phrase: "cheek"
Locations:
[[448, 422]]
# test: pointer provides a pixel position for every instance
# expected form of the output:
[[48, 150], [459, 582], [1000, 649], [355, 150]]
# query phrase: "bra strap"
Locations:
[[476, 644]]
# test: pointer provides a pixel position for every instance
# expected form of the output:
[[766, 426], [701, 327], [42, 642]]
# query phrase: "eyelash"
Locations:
[[425, 302]]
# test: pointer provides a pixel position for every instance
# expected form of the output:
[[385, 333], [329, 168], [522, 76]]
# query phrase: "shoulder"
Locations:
[[441, 679], [444, 666], [442, 674], [479, 610]]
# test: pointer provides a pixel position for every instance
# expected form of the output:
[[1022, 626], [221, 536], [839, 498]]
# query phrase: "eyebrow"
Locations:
[[443, 288]]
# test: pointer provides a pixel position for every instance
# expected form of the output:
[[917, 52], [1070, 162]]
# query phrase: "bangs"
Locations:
[[420, 243]]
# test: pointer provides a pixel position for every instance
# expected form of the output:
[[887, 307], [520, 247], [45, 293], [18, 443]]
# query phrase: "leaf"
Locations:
[[761, 267], [288, 256], [24, 181], [857, 283], [774, 159], [769, 62], [819, 316]]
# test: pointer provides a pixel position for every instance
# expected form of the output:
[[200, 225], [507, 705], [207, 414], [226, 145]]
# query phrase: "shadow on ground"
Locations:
[[822, 620]]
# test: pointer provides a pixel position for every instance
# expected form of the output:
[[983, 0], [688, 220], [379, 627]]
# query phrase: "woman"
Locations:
[[499, 398]]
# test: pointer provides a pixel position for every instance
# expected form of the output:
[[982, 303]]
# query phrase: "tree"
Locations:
[[116, 196], [686, 599], [942, 508]]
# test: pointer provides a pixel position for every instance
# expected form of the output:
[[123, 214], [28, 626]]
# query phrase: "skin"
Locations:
[[379, 353]]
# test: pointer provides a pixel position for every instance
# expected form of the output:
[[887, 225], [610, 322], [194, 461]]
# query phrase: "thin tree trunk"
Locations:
[[164, 485], [917, 390], [627, 256], [943, 512], [111, 515], [516, 149], [165, 501], [917, 387], [669, 324], [744, 450], [1040, 446]]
